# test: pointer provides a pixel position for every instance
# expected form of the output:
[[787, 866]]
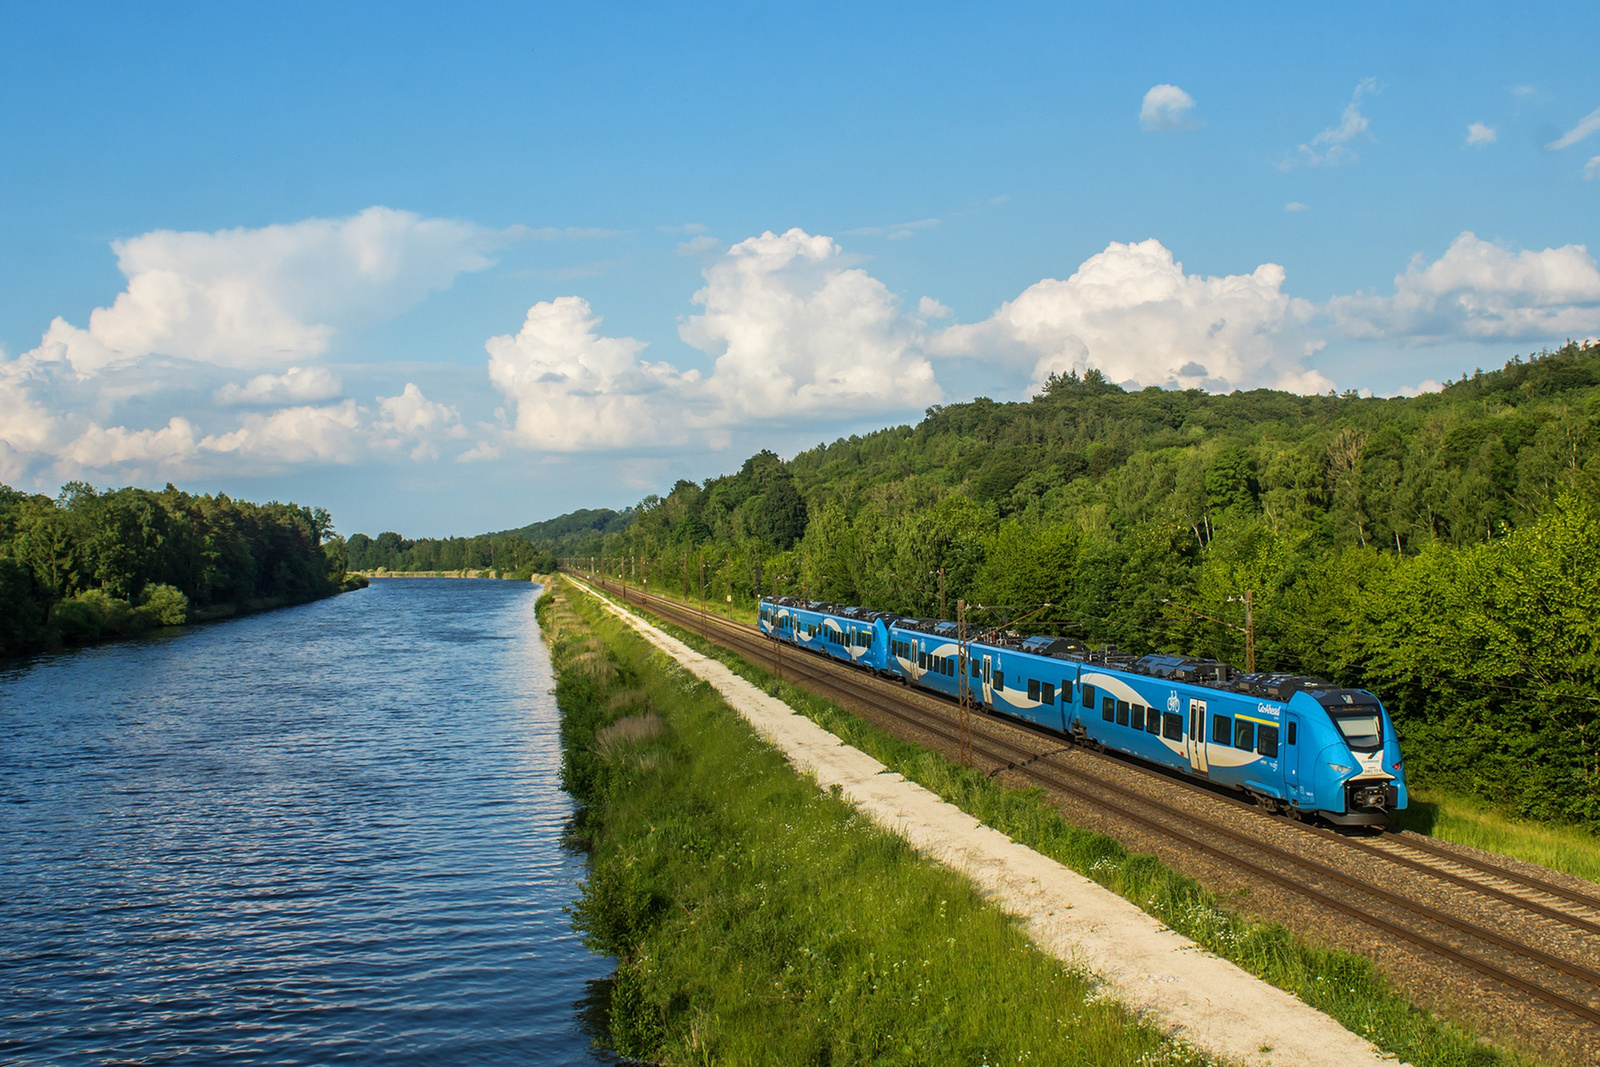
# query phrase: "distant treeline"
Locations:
[[92, 564], [508, 554], [1443, 550], [574, 526]]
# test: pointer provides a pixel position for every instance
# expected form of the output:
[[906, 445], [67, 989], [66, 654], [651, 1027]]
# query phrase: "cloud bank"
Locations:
[[215, 358], [201, 309], [1481, 291]]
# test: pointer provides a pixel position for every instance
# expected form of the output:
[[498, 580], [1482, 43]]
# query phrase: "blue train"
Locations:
[[1295, 744]]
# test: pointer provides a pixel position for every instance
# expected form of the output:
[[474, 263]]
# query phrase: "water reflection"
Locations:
[[327, 833]]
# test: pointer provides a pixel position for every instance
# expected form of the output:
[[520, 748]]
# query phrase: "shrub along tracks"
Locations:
[[1522, 933]]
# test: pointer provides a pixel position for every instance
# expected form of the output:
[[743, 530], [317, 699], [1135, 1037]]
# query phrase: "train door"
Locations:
[[1289, 753], [988, 695], [1197, 735]]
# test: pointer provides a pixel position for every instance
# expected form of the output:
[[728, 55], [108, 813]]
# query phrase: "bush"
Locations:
[[164, 605], [76, 620]]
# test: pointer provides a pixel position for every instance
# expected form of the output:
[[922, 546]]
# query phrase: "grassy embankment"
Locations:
[[1467, 822], [756, 918], [1346, 986]]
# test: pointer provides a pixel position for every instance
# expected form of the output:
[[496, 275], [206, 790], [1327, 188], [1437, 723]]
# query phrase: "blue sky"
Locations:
[[445, 271]]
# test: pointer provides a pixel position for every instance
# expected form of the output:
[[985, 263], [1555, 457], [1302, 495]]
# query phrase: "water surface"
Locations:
[[326, 833]]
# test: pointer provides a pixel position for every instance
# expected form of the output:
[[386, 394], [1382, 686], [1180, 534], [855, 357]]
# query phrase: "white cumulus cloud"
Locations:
[[1591, 169], [1479, 135], [575, 389], [1132, 313], [1331, 147], [1166, 107], [413, 419], [1479, 290], [793, 329], [797, 332]]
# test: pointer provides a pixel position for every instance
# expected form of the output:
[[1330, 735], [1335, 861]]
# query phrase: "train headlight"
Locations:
[[1339, 768]]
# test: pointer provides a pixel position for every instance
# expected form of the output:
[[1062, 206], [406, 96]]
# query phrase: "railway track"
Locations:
[[1567, 985]]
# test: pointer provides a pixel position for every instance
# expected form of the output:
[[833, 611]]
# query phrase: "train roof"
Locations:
[[823, 607], [1211, 673]]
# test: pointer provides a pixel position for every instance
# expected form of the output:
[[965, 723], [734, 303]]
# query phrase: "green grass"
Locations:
[[1467, 822], [1346, 986], [758, 919]]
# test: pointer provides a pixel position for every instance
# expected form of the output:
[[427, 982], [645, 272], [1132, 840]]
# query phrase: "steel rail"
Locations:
[[852, 688]]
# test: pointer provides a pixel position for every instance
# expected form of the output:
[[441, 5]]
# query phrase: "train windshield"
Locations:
[[1361, 726]]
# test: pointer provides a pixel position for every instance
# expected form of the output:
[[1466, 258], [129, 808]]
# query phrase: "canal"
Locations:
[[327, 833]]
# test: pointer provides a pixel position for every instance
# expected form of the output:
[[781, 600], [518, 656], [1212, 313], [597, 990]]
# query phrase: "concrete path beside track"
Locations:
[[1194, 995]]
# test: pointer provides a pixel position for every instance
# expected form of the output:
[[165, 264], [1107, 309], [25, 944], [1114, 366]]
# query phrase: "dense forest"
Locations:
[[509, 555], [92, 564], [1442, 550], [521, 553]]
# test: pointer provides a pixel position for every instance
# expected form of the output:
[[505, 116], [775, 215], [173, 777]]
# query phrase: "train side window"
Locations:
[[1152, 721], [1172, 726], [999, 680], [1290, 739], [1108, 708], [1267, 741], [1122, 713], [1136, 717], [1221, 729], [1033, 689], [1244, 734], [922, 661], [1047, 693], [1088, 696], [972, 664]]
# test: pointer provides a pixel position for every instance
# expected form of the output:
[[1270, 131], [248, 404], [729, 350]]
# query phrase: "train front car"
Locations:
[[1347, 766]]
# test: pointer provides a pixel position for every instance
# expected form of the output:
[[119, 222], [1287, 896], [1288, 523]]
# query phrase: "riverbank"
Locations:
[[94, 618], [218, 612], [755, 917], [383, 573]]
